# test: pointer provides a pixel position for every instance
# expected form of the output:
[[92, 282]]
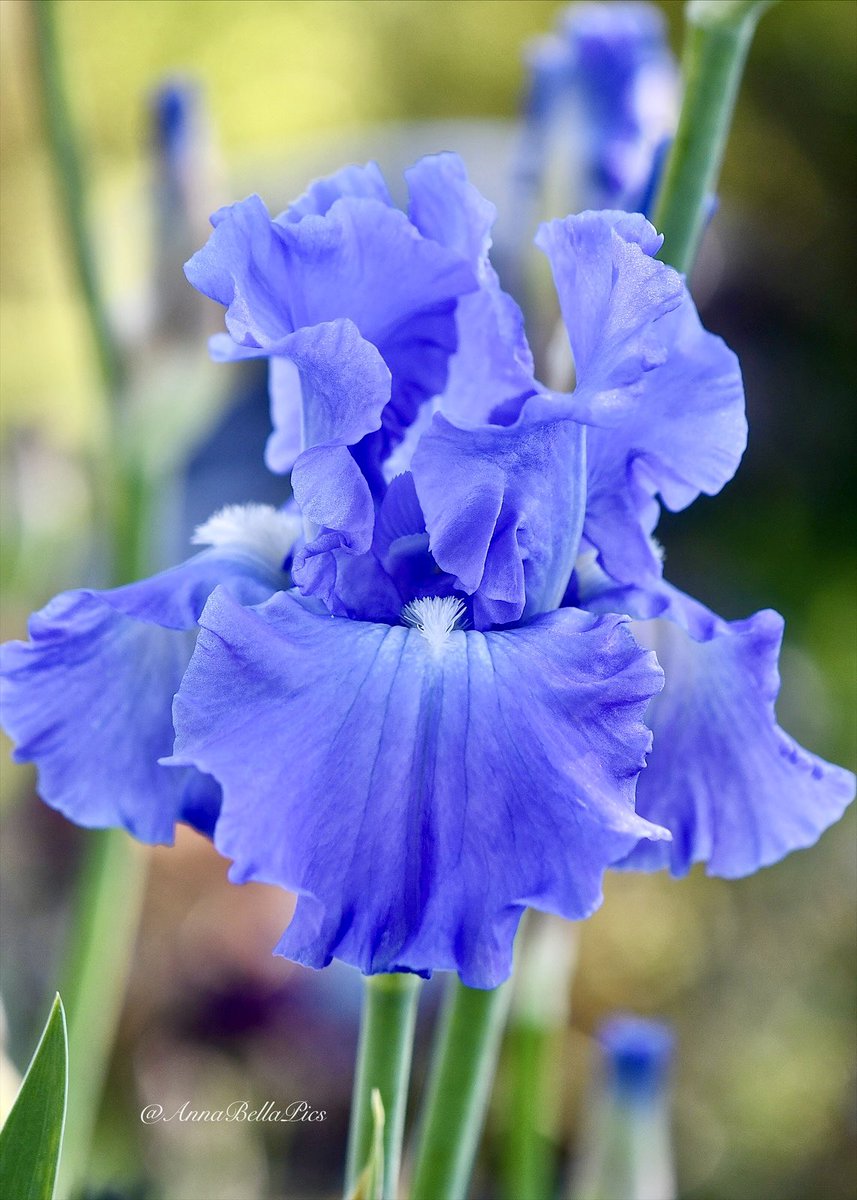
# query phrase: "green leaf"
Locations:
[[31, 1139], [370, 1181]]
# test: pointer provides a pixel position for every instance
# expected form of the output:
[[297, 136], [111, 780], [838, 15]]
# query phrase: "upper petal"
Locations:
[[417, 797], [492, 363], [366, 181], [245, 267], [612, 293], [366, 261], [664, 396], [332, 392]]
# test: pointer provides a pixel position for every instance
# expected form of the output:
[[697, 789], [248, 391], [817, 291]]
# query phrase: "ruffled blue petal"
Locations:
[[504, 507], [342, 252], [734, 789], [492, 362], [366, 182], [366, 261], [674, 426], [245, 266], [612, 293], [417, 797], [687, 436], [341, 383], [88, 698], [446, 207]]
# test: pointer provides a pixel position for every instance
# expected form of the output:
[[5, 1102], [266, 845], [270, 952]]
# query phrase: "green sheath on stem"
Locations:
[[718, 36], [383, 1063], [459, 1087]]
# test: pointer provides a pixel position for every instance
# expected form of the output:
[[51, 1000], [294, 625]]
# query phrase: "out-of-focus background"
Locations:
[[758, 976]]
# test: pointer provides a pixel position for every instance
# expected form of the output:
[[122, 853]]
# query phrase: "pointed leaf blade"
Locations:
[[31, 1139]]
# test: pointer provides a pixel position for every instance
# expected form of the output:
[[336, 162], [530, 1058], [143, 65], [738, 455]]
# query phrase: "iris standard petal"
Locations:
[[88, 698], [686, 436], [676, 427], [734, 789], [504, 507], [612, 294], [492, 363], [418, 789], [366, 181], [341, 253], [245, 267], [366, 261]]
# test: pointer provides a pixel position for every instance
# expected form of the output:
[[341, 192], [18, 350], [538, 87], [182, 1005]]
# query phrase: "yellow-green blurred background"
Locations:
[[758, 976]]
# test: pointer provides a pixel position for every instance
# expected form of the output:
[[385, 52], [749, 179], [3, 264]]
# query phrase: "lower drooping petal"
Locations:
[[417, 789], [733, 788], [88, 698]]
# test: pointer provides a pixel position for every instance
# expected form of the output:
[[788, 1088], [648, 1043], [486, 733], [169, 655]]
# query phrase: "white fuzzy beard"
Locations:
[[257, 529], [435, 617]]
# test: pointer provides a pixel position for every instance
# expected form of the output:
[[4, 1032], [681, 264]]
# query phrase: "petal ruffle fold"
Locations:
[[504, 507], [418, 798]]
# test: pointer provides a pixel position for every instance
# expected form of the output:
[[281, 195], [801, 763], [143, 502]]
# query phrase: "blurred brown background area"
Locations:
[[757, 976]]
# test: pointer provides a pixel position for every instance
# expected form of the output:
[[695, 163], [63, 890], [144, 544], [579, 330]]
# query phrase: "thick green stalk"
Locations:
[[459, 1086], [717, 39], [383, 1063]]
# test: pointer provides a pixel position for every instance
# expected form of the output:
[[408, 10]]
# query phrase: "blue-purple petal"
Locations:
[[664, 396], [736, 792], [417, 799], [88, 697]]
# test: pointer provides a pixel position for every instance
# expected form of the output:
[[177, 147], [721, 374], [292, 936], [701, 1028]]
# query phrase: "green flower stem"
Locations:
[[62, 143], [110, 895], [545, 960], [459, 1086], [717, 39], [383, 1062]]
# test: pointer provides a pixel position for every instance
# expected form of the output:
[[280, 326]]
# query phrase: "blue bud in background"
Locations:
[[173, 107], [636, 1056], [626, 1146], [184, 187], [599, 110]]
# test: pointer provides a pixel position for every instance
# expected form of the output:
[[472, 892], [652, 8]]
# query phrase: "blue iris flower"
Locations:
[[441, 722]]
